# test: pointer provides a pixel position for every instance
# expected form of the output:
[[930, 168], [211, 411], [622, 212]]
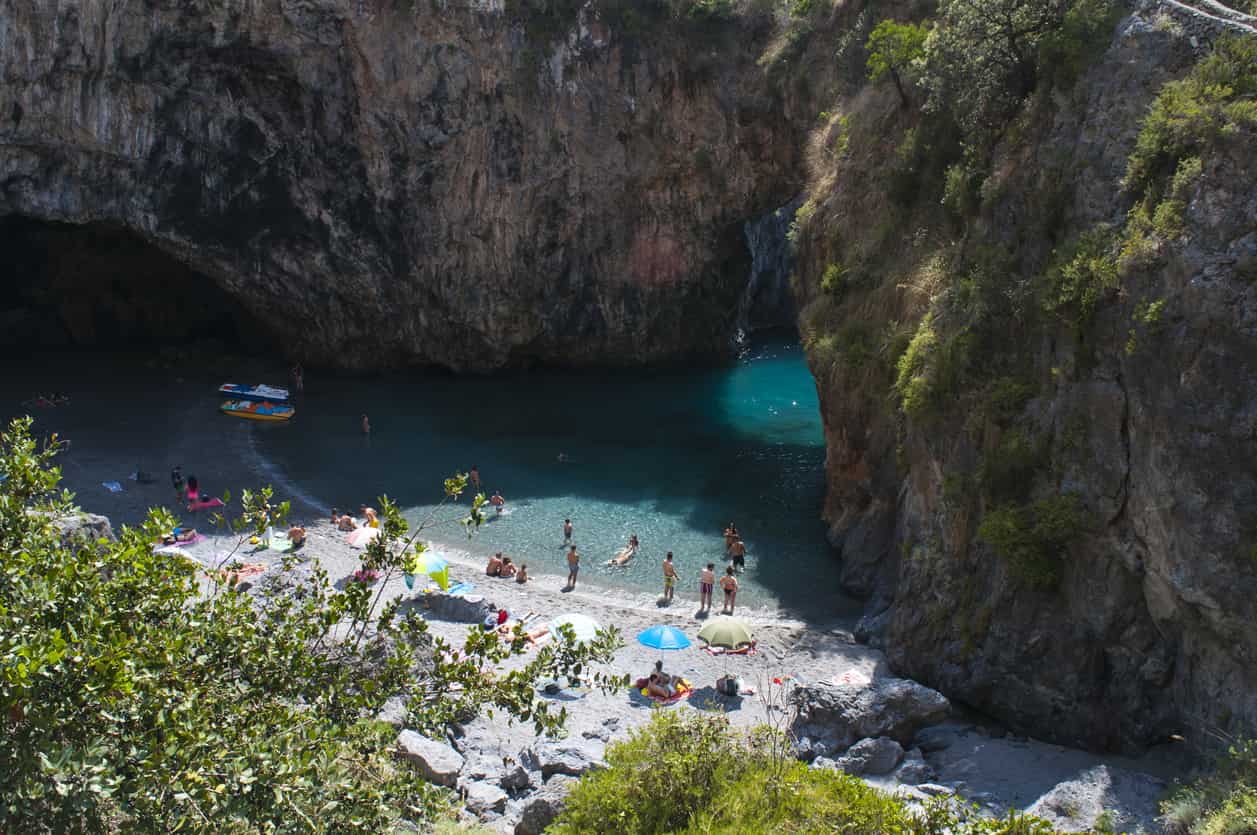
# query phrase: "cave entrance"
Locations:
[[100, 286]]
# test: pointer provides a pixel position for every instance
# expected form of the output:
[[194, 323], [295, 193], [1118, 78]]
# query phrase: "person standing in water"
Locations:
[[474, 478], [298, 380], [567, 531], [573, 566], [730, 584], [738, 552], [706, 583], [731, 533], [366, 425], [669, 577], [176, 481]]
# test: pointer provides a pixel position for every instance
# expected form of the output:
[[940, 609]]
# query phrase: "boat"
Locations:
[[254, 410], [255, 392]]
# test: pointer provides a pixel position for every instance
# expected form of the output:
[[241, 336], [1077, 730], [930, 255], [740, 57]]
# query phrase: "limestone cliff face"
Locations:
[[386, 182], [1144, 415]]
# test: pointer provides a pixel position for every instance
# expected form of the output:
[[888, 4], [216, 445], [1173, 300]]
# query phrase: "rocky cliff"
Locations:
[[386, 182], [1036, 349]]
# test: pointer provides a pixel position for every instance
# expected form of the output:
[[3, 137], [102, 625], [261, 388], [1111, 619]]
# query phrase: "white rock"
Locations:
[[437, 762]]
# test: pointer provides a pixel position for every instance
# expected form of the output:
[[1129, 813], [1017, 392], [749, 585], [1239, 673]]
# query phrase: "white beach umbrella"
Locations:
[[585, 627]]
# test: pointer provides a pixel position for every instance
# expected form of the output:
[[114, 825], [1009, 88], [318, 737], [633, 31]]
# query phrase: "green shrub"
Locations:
[[931, 368], [1084, 34], [1221, 803], [1081, 274], [1033, 537], [1006, 397], [1218, 97], [689, 773], [962, 190], [140, 695], [834, 280]]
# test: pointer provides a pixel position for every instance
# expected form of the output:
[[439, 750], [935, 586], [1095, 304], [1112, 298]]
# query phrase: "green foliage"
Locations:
[[1081, 274], [1084, 34], [929, 371], [1189, 116], [982, 59], [1221, 803], [802, 216], [834, 280], [689, 773], [139, 693], [896, 49], [1033, 537], [962, 189], [1006, 398]]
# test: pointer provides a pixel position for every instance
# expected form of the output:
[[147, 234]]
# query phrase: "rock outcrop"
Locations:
[[385, 183], [1056, 524]]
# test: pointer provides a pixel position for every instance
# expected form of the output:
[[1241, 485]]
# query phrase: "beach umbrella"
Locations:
[[362, 536], [663, 637], [430, 563], [585, 627], [726, 632]]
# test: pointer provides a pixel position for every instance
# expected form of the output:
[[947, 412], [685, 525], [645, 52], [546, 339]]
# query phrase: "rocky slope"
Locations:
[[385, 182], [1047, 493]]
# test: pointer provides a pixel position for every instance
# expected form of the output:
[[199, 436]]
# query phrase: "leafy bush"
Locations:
[[1084, 34], [689, 773], [1190, 115], [139, 694], [931, 368], [1081, 274], [1033, 537], [1221, 803], [834, 280]]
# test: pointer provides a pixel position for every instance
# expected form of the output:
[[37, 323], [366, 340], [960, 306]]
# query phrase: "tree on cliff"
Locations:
[[895, 49], [141, 693]]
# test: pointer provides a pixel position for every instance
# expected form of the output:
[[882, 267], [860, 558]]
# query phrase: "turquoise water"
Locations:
[[671, 455]]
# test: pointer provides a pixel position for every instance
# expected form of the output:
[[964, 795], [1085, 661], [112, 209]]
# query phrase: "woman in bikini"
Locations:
[[730, 584]]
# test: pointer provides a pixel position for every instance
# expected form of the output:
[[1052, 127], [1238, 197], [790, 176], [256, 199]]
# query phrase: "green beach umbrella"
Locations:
[[726, 632], [433, 565]]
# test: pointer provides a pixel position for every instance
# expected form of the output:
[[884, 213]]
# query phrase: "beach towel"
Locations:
[[684, 689], [747, 650], [202, 505], [200, 537], [250, 569], [461, 588], [279, 542], [112, 486]]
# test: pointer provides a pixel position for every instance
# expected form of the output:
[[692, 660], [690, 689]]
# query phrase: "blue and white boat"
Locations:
[[255, 392]]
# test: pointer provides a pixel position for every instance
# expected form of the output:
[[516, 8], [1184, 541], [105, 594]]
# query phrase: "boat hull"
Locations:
[[261, 393], [258, 410]]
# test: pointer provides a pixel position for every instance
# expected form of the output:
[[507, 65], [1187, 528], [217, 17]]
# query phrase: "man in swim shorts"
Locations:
[[473, 478], [573, 566], [739, 553], [567, 531], [669, 577], [706, 583], [176, 481]]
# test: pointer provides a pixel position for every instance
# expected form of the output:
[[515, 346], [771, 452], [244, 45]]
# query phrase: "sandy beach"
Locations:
[[979, 761]]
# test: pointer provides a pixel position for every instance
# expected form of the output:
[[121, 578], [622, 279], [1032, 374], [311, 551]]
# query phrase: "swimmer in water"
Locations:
[[567, 531], [366, 425]]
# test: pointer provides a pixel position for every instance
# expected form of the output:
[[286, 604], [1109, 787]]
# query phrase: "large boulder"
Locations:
[[437, 762], [484, 798], [540, 809], [81, 529], [914, 770], [835, 717], [871, 756], [571, 757]]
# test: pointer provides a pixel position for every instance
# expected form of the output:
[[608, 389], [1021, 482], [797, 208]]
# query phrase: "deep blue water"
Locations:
[[671, 455]]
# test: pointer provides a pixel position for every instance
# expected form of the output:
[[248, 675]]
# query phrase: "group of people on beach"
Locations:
[[500, 566], [346, 522]]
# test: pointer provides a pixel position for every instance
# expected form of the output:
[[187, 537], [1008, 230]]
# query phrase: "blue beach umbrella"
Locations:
[[431, 563], [663, 637]]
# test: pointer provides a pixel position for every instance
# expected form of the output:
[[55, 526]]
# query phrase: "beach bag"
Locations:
[[730, 686]]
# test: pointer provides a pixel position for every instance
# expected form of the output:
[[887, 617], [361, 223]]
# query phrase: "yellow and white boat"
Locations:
[[253, 410]]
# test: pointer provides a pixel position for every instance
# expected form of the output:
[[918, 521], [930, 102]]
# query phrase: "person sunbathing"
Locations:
[[347, 523], [660, 684], [297, 536], [180, 535], [494, 568], [508, 568]]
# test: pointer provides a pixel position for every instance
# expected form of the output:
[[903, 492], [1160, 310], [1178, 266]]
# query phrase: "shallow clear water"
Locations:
[[671, 455]]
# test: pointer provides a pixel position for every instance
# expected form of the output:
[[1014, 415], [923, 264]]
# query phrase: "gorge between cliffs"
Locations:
[[1023, 277]]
